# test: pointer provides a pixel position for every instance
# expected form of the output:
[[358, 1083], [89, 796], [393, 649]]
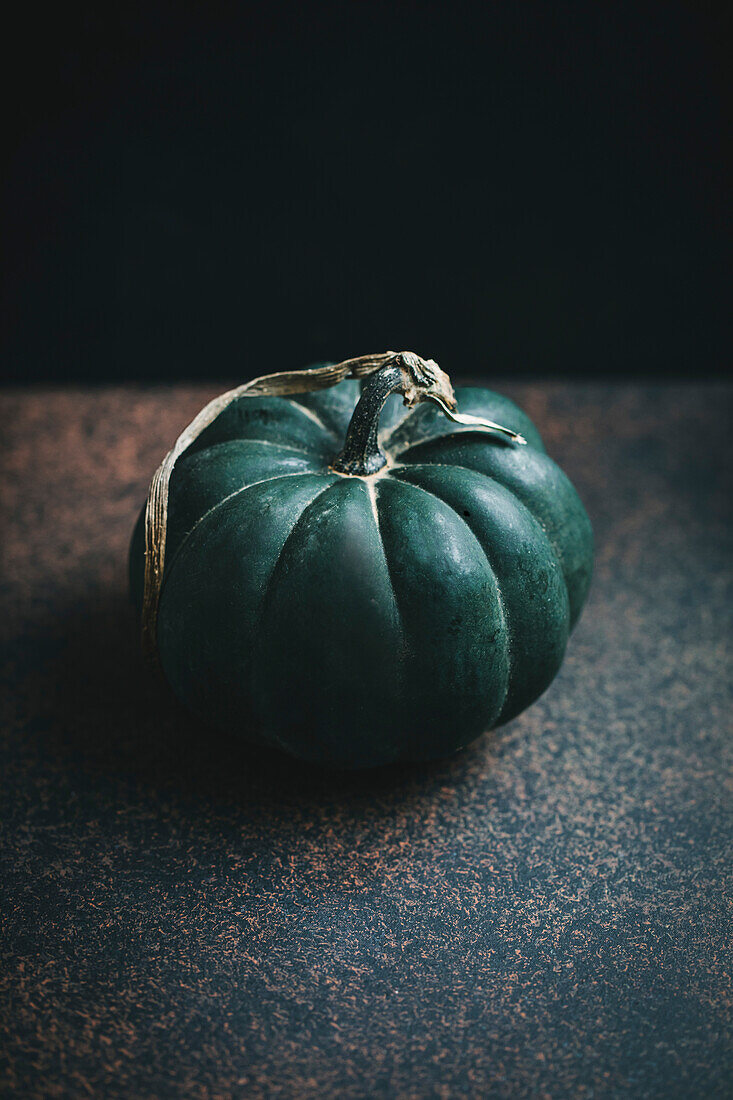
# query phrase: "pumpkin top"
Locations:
[[406, 373]]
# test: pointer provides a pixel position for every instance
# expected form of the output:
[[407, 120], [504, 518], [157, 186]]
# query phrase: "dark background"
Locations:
[[525, 189]]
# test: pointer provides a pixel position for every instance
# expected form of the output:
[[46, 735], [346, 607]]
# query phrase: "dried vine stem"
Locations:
[[423, 380]]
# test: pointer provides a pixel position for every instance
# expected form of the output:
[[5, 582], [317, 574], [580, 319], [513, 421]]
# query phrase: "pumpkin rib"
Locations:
[[278, 559], [494, 579], [301, 560], [334, 408], [226, 499], [198, 601], [240, 439], [495, 480], [527, 517], [372, 492], [314, 417], [455, 432], [210, 475], [498, 481], [456, 466], [251, 417]]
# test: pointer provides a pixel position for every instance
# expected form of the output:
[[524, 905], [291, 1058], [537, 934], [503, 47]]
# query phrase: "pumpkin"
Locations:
[[356, 582]]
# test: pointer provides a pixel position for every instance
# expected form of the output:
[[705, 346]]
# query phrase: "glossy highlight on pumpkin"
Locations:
[[357, 620]]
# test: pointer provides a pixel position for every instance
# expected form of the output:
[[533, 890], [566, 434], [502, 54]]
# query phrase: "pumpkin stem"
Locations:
[[406, 373]]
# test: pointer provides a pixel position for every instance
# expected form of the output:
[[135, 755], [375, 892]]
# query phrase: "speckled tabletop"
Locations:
[[546, 915]]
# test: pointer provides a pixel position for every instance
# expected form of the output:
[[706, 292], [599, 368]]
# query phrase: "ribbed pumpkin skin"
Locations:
[[356, 621]]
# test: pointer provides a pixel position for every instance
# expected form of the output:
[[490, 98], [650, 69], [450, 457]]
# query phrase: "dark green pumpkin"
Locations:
[[358, 620]]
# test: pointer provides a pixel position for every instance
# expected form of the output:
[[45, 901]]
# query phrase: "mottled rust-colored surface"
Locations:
[[547, 914]]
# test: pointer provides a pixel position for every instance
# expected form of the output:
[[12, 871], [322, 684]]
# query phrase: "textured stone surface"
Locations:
[[547, 914]]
